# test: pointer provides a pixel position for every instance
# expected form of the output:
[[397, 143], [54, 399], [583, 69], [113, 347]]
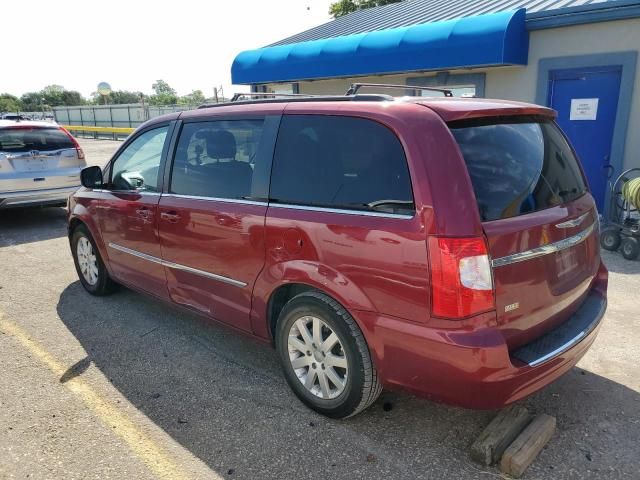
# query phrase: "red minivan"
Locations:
[[445, 246]]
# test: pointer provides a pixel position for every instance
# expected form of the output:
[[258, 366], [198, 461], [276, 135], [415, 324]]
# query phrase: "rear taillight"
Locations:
[[75, 143], [461, 279]]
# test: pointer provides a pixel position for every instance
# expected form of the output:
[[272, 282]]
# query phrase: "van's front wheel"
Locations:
[[91, 269], [324, 356]]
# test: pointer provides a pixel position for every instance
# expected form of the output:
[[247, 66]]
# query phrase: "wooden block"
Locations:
[[497, 436], [524, 450]]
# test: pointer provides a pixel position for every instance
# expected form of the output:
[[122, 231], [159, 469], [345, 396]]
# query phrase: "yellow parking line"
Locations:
[[143, 446]]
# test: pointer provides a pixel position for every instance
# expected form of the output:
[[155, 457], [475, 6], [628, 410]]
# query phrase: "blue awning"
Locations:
[[485, 40]]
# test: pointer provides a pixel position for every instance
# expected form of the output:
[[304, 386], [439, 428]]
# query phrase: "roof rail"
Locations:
[[357, 86], [299, 98], [238, 95]]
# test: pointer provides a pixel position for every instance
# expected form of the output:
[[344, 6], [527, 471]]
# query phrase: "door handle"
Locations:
[[171, 217]]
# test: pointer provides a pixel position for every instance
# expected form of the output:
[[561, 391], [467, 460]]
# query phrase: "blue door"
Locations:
[[587, 101]]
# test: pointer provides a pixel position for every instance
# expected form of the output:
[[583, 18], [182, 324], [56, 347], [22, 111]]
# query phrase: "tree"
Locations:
[[117, 97], [124, 96], [70, 98], [196, 97], [51, 96], [9, 103], [164, 94], [32, 101], [57, 95], [343, 7], [160, 87]]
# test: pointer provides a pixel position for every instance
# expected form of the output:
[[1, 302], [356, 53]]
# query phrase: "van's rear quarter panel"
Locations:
[[366, 263]]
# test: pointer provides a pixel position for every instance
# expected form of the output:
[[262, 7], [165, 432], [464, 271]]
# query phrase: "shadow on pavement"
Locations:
[[222, 397], [26, 225]]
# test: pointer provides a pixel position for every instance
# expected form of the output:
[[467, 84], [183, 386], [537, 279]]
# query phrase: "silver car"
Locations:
[[40, 164]]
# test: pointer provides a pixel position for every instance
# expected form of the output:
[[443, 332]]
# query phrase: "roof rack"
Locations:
[[357, 86], [298, 98]]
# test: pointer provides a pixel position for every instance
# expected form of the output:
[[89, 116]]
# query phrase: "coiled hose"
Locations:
[[631, 192]]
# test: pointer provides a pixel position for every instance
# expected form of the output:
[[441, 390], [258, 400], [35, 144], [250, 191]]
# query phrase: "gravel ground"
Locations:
[[81, 375]]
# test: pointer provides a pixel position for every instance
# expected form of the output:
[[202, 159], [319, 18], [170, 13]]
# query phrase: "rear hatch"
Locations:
[[38, 157], [538, 218]]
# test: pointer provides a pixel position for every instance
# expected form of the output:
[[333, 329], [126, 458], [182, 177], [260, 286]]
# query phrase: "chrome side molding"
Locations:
[[177, 266], [544, 250], [362, 213], [216, 199]]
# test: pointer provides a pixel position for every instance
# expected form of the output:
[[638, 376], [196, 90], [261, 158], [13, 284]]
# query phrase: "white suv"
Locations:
[[40, 164]]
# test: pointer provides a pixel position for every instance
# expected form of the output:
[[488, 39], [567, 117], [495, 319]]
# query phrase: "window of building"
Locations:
[[460, 84], [466, 91]]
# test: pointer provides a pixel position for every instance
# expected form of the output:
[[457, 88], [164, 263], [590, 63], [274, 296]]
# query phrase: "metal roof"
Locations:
[[411, 12]]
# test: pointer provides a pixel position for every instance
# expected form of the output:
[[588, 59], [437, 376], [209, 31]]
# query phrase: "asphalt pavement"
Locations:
[[127, 387]]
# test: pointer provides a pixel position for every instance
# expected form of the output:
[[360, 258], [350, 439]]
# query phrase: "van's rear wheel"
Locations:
[[324, 356]]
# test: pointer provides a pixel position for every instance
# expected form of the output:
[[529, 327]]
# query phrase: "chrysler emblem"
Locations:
[[573, 223]]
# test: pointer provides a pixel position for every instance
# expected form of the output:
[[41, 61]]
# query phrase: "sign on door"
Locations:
[[584, 109]]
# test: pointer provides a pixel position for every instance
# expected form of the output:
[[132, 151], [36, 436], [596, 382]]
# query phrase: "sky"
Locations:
[[129, 44]]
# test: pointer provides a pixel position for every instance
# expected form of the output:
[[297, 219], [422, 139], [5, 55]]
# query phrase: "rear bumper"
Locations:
[[36, 197], [472, 366]]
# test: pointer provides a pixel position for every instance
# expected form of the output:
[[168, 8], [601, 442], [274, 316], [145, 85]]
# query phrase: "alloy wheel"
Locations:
[[318, 357], [87, 260]]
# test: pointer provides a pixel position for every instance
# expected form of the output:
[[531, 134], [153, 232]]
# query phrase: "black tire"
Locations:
[[362, 387], [610, 239], [630, 248], [104, 285]]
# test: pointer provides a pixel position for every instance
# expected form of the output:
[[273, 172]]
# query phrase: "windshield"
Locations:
[[518, 166]]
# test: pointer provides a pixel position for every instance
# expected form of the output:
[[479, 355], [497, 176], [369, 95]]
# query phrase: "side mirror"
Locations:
[[91, 177]]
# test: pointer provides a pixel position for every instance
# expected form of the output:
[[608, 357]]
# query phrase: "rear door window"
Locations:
[[217, 159], [340, 162], [518, 166], [26, 139]]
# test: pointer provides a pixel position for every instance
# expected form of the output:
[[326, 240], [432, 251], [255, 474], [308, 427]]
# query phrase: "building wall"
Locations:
[[520, 83], [606, 37]]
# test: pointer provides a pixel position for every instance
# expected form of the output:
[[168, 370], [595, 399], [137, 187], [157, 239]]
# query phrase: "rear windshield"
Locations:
[[25, 139], [518, 167]]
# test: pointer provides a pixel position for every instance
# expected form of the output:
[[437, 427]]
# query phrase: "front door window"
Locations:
[[136, 168]]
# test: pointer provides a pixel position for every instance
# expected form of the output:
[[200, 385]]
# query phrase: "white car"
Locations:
[[40, 164]]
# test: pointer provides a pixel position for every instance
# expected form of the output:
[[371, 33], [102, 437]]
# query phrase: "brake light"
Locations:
[[461, 279], [75, 143]]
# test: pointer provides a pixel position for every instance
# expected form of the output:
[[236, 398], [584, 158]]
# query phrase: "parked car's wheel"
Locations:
[[324, 356], [89, 265], [610, 239], [630, 248]]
